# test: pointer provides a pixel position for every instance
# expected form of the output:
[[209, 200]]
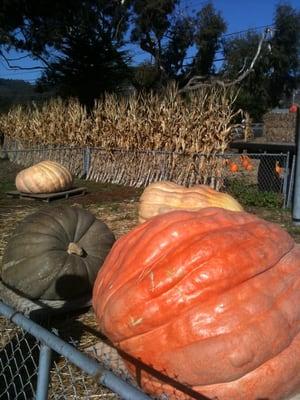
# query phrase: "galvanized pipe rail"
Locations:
[[296, 200], [50, 342]]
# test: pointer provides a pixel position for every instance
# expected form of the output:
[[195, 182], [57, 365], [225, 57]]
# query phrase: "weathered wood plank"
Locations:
[[48, 196]]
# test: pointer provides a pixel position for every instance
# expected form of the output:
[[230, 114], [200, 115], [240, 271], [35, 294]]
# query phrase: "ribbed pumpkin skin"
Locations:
[[161, 197], [44, 177], [210, 298], [36, 261]]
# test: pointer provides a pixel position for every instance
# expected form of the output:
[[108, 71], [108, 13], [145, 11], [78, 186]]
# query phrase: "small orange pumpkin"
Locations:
[[233, 167], [246, 162]]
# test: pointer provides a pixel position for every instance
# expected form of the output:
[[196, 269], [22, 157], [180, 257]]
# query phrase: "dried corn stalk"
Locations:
[[139, 139]]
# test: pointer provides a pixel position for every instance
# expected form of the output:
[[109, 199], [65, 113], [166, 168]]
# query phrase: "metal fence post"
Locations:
[[296, 198], [291, 184], [86, 160], [15, 152], [43, 372], [285, 179]]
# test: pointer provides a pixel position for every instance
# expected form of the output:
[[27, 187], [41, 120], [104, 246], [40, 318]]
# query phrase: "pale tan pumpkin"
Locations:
[[162, 197], [44, 177]]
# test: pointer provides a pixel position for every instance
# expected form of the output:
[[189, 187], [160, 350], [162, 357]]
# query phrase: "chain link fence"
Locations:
[[261, 172], [36, 364]]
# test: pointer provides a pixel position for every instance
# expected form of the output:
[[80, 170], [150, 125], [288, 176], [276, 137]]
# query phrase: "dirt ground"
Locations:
[[113, 204]]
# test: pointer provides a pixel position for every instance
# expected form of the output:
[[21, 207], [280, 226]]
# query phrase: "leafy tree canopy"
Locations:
[[276, 72], [210, 26], [79, 42], [81, 45]]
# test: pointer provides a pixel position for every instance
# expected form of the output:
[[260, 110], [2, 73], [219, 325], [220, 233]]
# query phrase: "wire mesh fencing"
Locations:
[[263, 172], [36, 364], [267, 171], [18, 363], [19, 369]]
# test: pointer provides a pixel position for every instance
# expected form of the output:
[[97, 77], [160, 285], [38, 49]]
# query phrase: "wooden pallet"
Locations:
[[47, 197]]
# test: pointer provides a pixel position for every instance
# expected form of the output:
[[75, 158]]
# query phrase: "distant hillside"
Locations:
[[13, 92]]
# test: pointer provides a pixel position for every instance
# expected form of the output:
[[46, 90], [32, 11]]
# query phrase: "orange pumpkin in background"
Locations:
[[162, 197], [233, 167], [293, 108], [210, 298], [246, 162]]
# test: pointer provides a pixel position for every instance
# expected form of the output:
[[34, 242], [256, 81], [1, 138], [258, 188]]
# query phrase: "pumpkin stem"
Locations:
[[73, 248]]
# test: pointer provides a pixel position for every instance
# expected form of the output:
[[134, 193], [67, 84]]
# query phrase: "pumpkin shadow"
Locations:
[[19, 358], [116, 360], [70, 287], [75, 333]]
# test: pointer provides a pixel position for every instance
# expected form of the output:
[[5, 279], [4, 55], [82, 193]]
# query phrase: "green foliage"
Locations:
[[15, 92], [181, 36], [80, 44], [249, 195], [210, 25], [277, 69], [145, 76], [153, 23], [285, 54], [167, 37]]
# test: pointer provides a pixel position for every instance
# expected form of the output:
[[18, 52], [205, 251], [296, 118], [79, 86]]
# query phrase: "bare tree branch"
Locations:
[[17, 67], [196, 82], [17, 58], [33, 53], [244, 66]]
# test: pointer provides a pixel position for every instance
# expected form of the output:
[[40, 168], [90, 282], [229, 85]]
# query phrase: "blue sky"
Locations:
[[239, 15]]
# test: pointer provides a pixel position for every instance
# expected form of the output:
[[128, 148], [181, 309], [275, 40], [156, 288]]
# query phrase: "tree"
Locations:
[[266, 69], [277, 69], [254, 95], [145, 77], [167, 34], [164, 34], [79, 42], [285, 52], [181, 36], [210, 25], [151, 22]]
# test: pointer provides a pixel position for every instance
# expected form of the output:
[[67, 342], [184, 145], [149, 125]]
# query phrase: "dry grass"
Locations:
[[81, 329], [131, 132]]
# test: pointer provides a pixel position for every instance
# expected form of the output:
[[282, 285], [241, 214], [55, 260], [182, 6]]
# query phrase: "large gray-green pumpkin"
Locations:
[[55, 254]]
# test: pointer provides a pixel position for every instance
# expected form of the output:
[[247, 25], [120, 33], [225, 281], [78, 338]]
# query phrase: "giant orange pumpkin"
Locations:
[[210, 298]]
